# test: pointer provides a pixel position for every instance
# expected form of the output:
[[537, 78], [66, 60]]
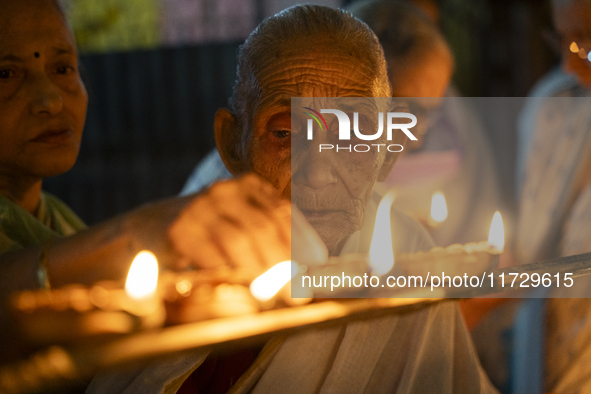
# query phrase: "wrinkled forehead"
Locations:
[[317, 68]]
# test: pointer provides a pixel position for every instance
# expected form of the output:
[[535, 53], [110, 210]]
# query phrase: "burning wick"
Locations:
[[143, 276], [381, 251], [264, 287], [574, 48], [496, 235], [438, 210]]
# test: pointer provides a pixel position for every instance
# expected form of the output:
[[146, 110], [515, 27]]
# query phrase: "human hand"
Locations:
[[240, 223]]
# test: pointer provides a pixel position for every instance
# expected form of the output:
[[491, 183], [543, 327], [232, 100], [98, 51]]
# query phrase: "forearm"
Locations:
[[105, 251], [235, 224], [98, 253], [101, 252]]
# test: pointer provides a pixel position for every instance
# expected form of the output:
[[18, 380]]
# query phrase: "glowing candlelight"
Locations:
[[574, 48], [74, 313], [381, 253], [438, 209], [143, 276], [264, 287], [496, 235]]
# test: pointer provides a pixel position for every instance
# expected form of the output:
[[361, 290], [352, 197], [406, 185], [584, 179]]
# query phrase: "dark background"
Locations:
[[150, 121]]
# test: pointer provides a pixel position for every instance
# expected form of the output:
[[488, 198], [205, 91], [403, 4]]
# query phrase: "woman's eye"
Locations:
[[281, 133], [6, 73], [65, 70]]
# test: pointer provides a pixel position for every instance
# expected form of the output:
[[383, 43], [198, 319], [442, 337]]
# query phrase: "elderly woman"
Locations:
[[454, 156], [551, 337], [554, 197], [313, 51], [42, 113]]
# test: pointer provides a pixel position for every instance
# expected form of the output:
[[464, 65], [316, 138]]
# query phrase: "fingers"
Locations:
[[263, 226], [238, 223], [191, 238], [263, 194]]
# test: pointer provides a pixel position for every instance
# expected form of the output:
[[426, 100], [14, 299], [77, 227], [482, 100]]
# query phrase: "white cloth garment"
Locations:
[[555, 218]]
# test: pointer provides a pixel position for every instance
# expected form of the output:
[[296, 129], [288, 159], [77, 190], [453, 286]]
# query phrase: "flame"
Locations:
[[264, 287], [496, 235], [184, 287], [381, 252], [143, 276], [438, 208], [574, 48]]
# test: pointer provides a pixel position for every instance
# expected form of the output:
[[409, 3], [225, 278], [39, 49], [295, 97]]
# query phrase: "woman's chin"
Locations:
[[49, 168]]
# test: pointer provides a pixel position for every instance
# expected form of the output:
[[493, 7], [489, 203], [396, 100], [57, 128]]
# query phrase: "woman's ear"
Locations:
[[225, 140]]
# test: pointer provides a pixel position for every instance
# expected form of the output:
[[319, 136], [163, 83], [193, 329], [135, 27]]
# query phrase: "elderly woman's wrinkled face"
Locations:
[[332, 190], [573, 23], [42, 98]]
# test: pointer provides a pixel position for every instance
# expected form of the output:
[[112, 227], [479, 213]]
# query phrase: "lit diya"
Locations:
[[74, 312], [210, 294], [201, 295], [472, 258]]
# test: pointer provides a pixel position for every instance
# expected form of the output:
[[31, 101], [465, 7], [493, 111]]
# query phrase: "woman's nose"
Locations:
[[318, 170], [46, 98]]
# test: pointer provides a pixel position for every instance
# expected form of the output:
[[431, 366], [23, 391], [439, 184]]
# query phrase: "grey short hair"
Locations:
[[292, 24], [404, 31]]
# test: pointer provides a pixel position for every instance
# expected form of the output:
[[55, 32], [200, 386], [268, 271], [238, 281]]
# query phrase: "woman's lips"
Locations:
[[312, 215], [54, 137]]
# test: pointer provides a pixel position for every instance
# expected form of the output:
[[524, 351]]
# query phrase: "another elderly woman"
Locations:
[[554, 197], [454, 156], [314, 51], [42, 113]]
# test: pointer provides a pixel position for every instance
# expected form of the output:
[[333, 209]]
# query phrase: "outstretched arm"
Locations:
[[238, 223]]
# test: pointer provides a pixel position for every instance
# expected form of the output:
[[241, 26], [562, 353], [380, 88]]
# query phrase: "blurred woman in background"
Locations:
[[453, 154], [554, 197]]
